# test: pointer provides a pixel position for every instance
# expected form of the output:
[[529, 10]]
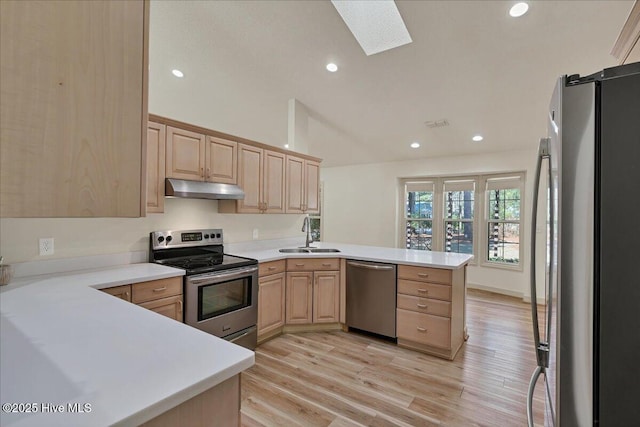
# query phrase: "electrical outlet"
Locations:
[[255, 233], [46, 246]]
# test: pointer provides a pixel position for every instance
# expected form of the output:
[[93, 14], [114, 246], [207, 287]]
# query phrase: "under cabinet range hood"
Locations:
[[202, 190]]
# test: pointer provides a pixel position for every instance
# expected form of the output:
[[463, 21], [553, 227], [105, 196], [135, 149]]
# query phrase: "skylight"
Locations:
[[376, 25]]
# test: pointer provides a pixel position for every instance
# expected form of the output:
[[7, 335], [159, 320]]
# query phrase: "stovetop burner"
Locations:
[[195, 251]]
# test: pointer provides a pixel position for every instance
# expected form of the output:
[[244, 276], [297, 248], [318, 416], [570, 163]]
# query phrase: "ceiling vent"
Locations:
[[437, 123]]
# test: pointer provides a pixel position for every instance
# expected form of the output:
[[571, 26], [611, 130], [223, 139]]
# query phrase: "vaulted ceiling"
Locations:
[[469, 63]]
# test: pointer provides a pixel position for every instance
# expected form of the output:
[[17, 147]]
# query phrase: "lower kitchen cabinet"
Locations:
[[271, 301], [326, 296], [163, 296], [299, 297], [431, 309]]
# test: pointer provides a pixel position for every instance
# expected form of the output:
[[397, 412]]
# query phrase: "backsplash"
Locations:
[[77, 237]]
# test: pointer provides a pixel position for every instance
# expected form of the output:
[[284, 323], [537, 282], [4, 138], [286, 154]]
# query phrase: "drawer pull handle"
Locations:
[[164, 288], [299, 265], [272, 268], [421, 329], [423, 291], [423, 275], [326, 265], [422, 305]]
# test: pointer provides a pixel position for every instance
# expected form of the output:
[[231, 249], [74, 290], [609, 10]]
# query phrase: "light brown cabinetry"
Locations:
[[313, 291], [261, 175], [430, 309], [303, 185], [198, 157], [156, 143], [163, 296], [271, 298], [122, 292], [73, 78]]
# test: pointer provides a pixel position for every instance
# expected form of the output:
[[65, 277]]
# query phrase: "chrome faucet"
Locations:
[[306, 226]]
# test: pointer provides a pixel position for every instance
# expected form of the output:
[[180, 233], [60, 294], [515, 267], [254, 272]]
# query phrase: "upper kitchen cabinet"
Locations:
[[156, 136], [221, 160], [303, 185], [261, 175], [185, 154], [73, 108], [199, 157]]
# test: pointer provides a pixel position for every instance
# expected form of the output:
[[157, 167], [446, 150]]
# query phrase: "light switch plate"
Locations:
[[46, 246], [255, 233]]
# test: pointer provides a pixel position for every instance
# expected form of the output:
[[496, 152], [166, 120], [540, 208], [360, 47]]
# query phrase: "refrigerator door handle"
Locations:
[[541, 354], [532, 386]]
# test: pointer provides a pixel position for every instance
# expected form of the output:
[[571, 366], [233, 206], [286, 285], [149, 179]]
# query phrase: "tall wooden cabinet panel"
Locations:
[[299, 297], [221, 160], [250, 170], [271, 300], [185, 154], [274, 184], [73, 129], [303, 186], [326, 296], [156, 134]]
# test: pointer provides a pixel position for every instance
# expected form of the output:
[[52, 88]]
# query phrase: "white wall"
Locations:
[[361, 205], [75, 237]]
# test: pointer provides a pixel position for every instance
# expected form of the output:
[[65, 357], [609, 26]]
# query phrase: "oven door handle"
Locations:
[[205, 279]]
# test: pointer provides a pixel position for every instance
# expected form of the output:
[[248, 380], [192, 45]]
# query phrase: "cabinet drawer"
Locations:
[[272, 267], [424, 328], [424, 274], [424, 305], [424, 290], [156, 289], [122, 292], [313, 264]]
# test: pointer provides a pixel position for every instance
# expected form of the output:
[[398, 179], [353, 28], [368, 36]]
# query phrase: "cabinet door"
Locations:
[[311, 187], [185, 154], [326, 296], [295, 184], [73, 79], [170, 307], [274, 184], [271, 296], [155, 167], [250, 170], [122, 292], [299, 297], [221, 160]]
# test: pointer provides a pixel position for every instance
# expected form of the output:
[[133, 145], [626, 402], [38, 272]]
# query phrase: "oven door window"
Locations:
[[220, 298]]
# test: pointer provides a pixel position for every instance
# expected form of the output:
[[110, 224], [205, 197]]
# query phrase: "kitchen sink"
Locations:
[[308, 251]]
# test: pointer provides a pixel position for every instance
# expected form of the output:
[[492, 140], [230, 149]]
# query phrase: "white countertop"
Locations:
[[365, 253], [64, 342]]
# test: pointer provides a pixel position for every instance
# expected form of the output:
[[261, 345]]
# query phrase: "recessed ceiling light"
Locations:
[[332, 67], [177, 73], [286, 145], [376, 25], [518, 9], [415, 145], [477, 138]]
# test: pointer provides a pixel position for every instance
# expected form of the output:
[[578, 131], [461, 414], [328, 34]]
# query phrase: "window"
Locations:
[[316, 219], [503, 219], [440, 214], [418, 216], [458, 214]]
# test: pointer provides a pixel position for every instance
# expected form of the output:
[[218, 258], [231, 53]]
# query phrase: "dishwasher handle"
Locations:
[[370, 266]]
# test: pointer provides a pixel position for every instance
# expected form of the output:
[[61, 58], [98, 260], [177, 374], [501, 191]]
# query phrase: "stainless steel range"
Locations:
[[220, 290]]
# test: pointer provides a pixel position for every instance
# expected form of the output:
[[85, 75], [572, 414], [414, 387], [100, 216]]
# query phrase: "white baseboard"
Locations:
[[495, 290]]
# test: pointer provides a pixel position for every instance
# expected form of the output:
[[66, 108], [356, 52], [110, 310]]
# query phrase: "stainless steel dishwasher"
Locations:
[[371, 297]]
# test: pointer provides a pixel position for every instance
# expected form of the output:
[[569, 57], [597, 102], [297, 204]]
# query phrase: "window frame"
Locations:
[[487, 219], [480, 221]]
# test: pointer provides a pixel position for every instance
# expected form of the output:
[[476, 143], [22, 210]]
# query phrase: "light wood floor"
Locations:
[[345, 379]]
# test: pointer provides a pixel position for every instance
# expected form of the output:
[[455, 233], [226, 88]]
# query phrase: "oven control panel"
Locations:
[[185, 238]]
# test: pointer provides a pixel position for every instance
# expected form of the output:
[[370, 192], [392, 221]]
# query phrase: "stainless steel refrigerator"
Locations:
[[587, 335]]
